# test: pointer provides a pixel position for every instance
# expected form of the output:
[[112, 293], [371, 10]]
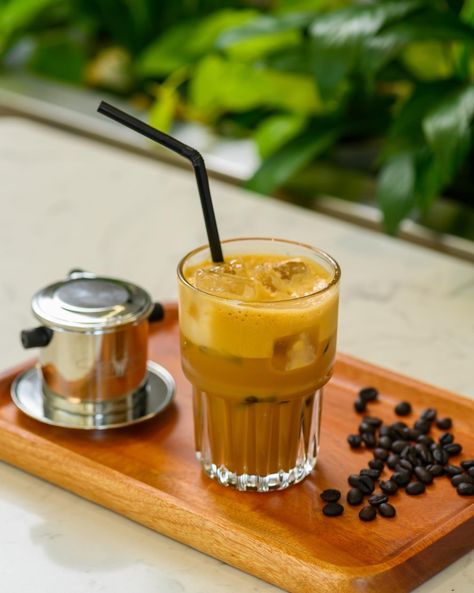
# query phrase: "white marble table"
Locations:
[[69, 202]]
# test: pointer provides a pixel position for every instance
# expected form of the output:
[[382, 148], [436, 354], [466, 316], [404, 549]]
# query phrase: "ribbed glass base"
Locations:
[[259, 444]]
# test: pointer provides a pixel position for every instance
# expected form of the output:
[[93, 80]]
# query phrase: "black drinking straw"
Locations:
[[183, 150]]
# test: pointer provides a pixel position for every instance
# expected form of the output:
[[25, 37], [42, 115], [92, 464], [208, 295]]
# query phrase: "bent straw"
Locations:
[[183, 150]]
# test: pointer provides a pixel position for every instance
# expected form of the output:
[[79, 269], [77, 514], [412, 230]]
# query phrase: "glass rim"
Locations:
[[320, 252]]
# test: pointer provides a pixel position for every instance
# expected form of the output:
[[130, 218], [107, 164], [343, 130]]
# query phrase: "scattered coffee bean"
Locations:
[[453, 449], [424, 440], [446, 438], [372, 473], [354, 440], [381, 454], [372, 420], [424, 453], [399, 425], [452, 470], [405, 465], [440, 456], [385, 442], [429, 414], [401, 478], [377, 499], [435, 470], [355, 496], [387, 431], [368, 394], [403, 409], [387, 510], [388, 486], [392, 461], [423, 475], [333, 509], [330, 495], [470, 471], [467, 464], [415, 488], [367, 513], [398, 446], [465, 489], [444, 423], [376, 464], [423, 426], [369, 440], [365, 427], [360, 406], [461, 478], [364, 483]]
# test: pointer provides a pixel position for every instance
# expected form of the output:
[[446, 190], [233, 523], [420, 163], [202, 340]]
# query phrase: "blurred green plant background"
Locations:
[[370, 90]]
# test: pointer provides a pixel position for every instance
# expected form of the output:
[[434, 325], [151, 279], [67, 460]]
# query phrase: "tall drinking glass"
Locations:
[[258, 341]]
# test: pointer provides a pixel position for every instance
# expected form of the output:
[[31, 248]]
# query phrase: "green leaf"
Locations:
[[187, 42], [396, 190], [226, 85], [429, 179], [338, 37], [427, 60], [16, 14], [291, 158], [162, 112], [447, 128], [277, 130], [58, 55]]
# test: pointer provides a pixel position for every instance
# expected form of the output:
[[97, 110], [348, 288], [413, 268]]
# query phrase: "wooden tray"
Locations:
[[148, 473]]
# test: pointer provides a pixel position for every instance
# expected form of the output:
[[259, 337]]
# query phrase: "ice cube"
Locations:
[[225, 284], [293, 352], [290, 268]]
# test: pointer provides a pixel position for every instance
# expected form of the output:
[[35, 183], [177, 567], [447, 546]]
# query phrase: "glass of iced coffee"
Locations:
[[258, 341]]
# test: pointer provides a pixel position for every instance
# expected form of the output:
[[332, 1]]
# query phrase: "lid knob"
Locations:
[[37, 337], [157, 313]]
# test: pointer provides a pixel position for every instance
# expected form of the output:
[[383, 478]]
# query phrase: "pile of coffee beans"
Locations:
[[414, 456]]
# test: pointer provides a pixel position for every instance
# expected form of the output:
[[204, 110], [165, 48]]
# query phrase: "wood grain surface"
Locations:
[[148, 473]]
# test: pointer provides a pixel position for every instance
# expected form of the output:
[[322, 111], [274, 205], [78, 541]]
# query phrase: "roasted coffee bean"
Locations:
[[406, 450], [367, 513], [365, 427], [423, 475], [330, 495], [446, 438], [401, 478], [360, 406], [354, 440], [424, 453], [369, 440], [373, 474], [465, 489], [398, 446], [440, 455], [381, 454], [377, 499], [355, 496], [415, 488], [435, 470], [429, 414], [452, 470], [461, 479], [376, 464], [453, 449], [403, 409], [425, 440], [387, 431], [385, 442], [444, 423], [405, 465], [392, 461], [388, 486], [423, 426], [406, 433], [333, 509], [467, 464], [387, 510], [398, 425], [470, 471], [372, 420], [413, 434], [368, 394], [412, 457], [364, 483]]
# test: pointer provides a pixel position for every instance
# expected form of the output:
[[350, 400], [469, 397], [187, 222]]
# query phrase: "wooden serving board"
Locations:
[[148, 473]]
